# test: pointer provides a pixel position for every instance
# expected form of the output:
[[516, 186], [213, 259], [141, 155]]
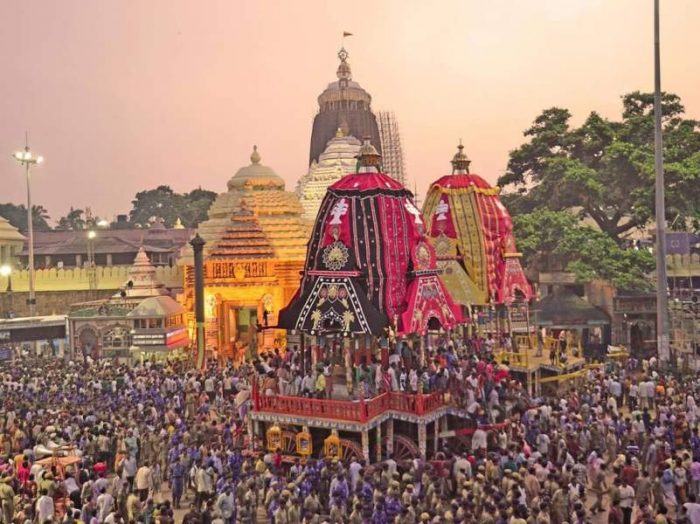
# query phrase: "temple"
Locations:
[[339, 158], [472, 233], [255, 246], [343, 104]]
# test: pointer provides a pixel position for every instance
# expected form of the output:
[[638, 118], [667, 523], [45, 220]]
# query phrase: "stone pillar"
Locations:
[[47, 261], [365, 445], [436, 433], [379, 443], [422, 440], [197, 244], [78, 260], [390, 436], [109, 259], [314, 354]]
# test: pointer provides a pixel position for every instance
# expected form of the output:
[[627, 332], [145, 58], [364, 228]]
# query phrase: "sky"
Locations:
[[125, 95]]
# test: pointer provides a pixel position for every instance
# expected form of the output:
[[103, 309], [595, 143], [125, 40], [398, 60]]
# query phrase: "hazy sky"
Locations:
[[124, 95]]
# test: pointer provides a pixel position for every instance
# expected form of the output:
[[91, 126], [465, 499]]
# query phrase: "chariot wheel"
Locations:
[[289, 443], [405, 449], [349, 449]]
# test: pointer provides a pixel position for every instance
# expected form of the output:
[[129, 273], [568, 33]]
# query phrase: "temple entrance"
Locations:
[[238, 331]]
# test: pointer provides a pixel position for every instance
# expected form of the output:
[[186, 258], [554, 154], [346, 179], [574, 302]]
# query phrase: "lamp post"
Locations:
[[6, 271], [660, 208], [26, 159], [92, 270]]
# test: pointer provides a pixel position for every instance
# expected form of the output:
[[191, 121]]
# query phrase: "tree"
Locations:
[[198, 203], [73, 221], [165, 204], [604, 169], [17, 216], [160, 203], [590, 254]]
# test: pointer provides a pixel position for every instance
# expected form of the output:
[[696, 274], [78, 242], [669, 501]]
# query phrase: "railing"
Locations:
[[351, 410], [335, 409]]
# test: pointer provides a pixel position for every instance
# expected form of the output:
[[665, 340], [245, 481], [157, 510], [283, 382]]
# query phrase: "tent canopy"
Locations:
[[565, 309]]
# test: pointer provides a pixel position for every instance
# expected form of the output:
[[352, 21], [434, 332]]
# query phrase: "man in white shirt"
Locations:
[[143, 481], [105, 503], [479, 440], [626, 501], [692, 509], [224, 504], [44, 508], [129, 468]]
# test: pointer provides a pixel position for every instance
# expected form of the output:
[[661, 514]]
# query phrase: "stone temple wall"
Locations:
[[78, 279], [49, 302]]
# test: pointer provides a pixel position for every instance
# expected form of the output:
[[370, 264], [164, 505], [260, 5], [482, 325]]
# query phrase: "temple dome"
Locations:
[[255, 175], [338, 159], [261, 191]]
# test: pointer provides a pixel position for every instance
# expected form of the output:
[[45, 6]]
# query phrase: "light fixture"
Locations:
[[5, 270]]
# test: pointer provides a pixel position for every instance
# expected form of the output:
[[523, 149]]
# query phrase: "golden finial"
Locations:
[[460, 162]]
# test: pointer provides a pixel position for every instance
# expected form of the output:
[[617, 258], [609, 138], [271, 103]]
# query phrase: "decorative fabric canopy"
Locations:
[[472, 233], [368, 265]]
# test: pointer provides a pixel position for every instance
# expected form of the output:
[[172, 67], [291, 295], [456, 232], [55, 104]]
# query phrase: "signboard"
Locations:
[[171, 338], [5, 353], [28, 334], [148, 339]]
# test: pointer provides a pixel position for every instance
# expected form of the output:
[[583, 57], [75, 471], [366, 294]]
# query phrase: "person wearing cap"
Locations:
[[7, 498]]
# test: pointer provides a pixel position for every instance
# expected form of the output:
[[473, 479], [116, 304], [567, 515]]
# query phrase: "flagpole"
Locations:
[[660, 205]]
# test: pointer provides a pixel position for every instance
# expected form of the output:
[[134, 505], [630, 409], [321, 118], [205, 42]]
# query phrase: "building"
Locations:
[[140, 320], [343, 104], [11, 243], [74, 268], [392, 152], [256, 238], [337, 160], [45, 335], [107, 247]]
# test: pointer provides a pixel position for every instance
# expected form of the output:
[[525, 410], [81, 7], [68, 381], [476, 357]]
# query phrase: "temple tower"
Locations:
[[346, 105]]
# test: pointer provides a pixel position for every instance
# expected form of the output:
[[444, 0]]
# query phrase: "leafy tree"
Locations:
[[164, 203], [151, 204], [604, 169], [548, 238], [73, 221], [17, 216], [198, 203]]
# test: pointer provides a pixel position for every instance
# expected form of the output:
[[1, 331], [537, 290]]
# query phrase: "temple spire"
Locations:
[[460, 162], [344, 73]]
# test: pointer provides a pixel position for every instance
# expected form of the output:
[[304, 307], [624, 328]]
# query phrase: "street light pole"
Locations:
[[661, 277], [27, 160]]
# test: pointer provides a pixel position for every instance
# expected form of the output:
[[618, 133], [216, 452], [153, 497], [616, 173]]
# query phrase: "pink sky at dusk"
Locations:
[[125, 95]]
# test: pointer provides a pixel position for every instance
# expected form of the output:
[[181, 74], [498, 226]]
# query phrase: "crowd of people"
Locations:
[[99, 442]]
